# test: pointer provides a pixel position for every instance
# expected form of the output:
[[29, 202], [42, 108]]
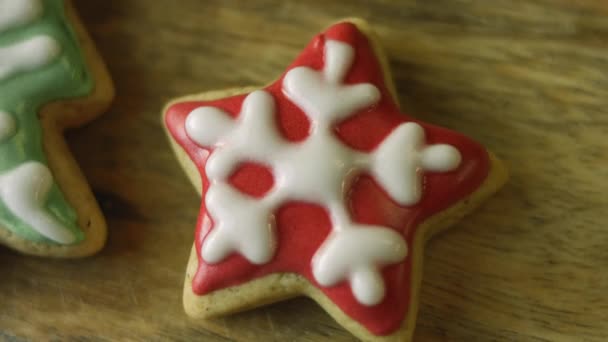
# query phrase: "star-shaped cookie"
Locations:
[[318, 185], [51, 78]]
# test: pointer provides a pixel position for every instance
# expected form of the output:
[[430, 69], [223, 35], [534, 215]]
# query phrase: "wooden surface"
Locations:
[[529, 79]]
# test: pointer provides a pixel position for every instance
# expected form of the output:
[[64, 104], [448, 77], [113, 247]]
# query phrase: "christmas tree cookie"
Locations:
[[318, 185], [51, 78]]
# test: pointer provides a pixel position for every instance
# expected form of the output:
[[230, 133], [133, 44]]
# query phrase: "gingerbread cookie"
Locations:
[[318, 185], [51, 78]]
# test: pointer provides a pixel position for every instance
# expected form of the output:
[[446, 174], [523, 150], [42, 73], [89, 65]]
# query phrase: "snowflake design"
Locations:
[[319, 170]]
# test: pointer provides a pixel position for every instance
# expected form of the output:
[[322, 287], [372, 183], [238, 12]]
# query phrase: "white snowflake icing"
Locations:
[[318, 170]]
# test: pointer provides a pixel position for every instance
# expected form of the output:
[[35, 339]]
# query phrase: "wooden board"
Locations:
[[529, 79]]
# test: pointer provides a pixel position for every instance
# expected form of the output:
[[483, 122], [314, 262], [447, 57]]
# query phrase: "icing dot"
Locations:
[[24, 191], [8, 126], [28, 55], [18, 12], [206, 125], [440, 158]]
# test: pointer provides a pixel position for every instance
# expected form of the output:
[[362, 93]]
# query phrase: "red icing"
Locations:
[[302, 227], [252, 179]]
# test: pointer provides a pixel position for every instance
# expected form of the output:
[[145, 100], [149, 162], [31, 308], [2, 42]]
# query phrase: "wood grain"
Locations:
[[529, 79]]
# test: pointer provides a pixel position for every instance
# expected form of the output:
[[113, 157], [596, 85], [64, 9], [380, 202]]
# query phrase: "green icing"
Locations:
[[24, 94]]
